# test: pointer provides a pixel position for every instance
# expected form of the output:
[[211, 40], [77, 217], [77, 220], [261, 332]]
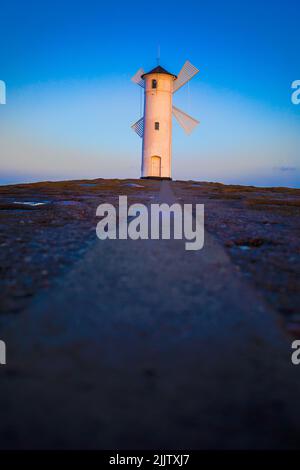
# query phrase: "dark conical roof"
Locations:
[[159, 69]]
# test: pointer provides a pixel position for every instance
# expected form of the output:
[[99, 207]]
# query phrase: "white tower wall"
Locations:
[[157, 109]]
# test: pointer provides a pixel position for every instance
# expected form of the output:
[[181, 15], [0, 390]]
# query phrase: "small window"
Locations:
[[154, 83], [156, 126]]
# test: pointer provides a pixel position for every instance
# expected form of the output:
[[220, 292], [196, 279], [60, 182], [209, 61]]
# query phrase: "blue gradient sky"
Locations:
[[70, 102]]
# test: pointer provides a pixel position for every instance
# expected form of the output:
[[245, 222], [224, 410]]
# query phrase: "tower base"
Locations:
[[156, 178]]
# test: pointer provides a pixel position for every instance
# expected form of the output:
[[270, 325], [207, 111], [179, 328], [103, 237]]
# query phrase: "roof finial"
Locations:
[[158, 54]]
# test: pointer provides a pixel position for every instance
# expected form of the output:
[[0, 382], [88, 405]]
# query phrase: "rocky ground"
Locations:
[[141, 344], [39, 242], [259, 228]]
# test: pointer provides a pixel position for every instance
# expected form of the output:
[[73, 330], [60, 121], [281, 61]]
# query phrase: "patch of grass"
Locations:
[[226, 196], [284, 206], [274, 202]]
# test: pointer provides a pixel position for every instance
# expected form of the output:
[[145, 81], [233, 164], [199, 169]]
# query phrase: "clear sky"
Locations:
[[70, 102]]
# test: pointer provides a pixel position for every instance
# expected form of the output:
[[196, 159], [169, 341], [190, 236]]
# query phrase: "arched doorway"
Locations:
[[156, 166]]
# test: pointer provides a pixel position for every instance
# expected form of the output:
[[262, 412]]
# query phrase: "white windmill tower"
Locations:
[[155, 127]]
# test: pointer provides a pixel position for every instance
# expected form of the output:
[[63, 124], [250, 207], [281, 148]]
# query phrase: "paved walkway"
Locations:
[[146, 345]]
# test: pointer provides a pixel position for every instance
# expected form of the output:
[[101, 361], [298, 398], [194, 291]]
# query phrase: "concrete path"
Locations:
[[146, 345]]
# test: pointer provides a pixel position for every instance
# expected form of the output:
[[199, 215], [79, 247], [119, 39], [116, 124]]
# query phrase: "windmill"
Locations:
[[155, 127]]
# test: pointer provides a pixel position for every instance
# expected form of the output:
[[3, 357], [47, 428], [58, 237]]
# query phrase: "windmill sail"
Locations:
[[187, 122], [187, 72], [137, 78], [138, 127]]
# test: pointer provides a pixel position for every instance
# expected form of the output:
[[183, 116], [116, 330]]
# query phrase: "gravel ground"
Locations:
[[142, 344], [40, 243], [259, 227]]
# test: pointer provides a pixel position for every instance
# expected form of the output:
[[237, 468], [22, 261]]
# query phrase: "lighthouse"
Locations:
[[155, 127]]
